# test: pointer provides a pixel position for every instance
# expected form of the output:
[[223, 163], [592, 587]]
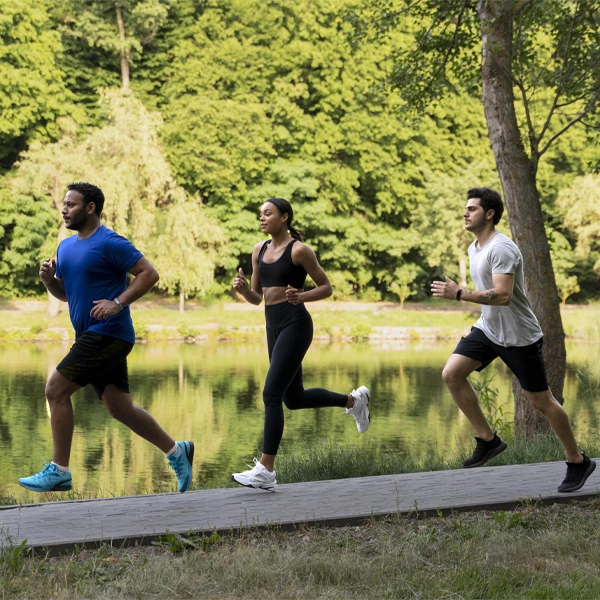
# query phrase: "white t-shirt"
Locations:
[[515, 324]]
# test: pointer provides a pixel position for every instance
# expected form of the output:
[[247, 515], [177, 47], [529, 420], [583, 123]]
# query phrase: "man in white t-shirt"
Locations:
[[507, 329]]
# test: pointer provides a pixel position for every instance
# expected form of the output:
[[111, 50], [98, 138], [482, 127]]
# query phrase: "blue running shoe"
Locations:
[[51, 479], [182, 465]]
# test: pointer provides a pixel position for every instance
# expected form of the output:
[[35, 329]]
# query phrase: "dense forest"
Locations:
[[189, 114]]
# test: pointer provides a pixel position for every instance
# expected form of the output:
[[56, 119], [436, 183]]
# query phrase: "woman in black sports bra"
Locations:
[[279, 269]]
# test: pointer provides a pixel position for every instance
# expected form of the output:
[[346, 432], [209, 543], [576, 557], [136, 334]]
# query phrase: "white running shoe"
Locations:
[[257, 477], [360, 410]]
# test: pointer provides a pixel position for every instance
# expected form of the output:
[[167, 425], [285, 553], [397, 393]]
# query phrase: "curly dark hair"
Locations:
[[90, 193], [489, 200]]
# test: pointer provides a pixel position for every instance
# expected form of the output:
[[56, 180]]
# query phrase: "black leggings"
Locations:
[[289, 335]]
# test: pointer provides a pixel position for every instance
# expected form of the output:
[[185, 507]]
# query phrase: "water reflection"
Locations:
[[212, 395]]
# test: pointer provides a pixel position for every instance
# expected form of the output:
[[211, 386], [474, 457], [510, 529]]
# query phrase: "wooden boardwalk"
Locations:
[[60, 527]]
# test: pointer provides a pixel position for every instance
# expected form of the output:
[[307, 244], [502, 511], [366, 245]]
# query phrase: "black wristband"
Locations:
[[458, 294]]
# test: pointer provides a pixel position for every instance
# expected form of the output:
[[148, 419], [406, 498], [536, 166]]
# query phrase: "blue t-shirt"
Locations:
[[95, 268]]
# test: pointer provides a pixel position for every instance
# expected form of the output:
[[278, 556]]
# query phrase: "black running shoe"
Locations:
[[577, 474], [484, 451]]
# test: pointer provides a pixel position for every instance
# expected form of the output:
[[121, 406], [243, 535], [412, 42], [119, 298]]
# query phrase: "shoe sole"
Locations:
[[493, 452], [270, 487], [63, 487], [189, 454], [588, 472]]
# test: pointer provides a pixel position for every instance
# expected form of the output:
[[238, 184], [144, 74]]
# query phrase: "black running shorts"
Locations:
[[526, 362], [98, 360]]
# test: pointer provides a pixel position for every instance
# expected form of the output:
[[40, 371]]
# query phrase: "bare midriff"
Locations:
[[274, 295]]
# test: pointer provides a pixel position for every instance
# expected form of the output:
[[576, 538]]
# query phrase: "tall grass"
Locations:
[[329, 460]]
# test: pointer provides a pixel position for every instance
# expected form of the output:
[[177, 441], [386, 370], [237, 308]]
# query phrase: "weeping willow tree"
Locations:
[[124, 158], [186, 250]]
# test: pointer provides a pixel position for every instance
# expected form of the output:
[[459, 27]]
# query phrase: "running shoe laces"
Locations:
[[182, 465], [360, 410], [49, 479], [257, 477], [577, 474]]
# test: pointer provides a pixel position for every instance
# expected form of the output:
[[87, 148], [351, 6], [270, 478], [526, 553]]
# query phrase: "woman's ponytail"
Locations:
[[296, 234]]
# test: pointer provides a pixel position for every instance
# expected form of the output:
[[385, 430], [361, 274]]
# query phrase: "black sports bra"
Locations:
[[282, 272]]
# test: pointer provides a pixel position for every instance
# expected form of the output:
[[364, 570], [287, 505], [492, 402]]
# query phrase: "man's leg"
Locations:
[[58, 393], [455, 374], [179, 454], [56, 476], [558, 419], [579, 466], [121, 407]]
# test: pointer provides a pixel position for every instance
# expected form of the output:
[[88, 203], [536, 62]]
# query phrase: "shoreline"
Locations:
[[158, 320]]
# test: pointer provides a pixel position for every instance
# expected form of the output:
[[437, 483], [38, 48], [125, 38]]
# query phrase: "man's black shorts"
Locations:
[[526, 362], [98, 360]]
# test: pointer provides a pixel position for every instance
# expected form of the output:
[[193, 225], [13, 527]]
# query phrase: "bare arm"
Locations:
[[499, 295], [254, 293], [303, 255], [54, 285], [146, 276]]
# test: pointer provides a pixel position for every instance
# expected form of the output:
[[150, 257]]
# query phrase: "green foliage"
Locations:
[[25, 222], [563, 261], [11, 555], [360, 332], [32, 94], [402, 282], [177, 543], [580, 204], [241, 100], [124, 157], [509, 520], [273, 99], [185, 252], [488, 400]]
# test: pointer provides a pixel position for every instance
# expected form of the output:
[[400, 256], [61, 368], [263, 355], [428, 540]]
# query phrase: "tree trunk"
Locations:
[[181, 301], [518, 176], [123, 51]]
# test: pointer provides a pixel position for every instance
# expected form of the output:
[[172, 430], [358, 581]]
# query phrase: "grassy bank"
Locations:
[[328, 460], [160, 321], [532, 552]]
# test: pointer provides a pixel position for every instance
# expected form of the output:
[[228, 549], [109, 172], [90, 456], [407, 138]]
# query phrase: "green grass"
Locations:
[[221, 320], [531, 552], [332, 461]]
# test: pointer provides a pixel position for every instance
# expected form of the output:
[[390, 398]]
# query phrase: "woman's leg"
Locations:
[[286, 353], [295, 396], [284, 383]]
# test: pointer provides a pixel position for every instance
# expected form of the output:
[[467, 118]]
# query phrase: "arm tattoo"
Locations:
[[487, 297]]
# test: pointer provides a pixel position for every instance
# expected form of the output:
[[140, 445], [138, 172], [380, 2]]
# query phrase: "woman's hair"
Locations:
[[284, 207]]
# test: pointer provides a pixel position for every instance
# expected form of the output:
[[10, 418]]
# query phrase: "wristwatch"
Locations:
[[118, 303]]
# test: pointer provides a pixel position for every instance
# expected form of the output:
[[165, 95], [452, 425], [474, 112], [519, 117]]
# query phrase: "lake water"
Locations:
[[211, 394]]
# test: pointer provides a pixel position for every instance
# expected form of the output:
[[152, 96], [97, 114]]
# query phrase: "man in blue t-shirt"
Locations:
[[90, 273]]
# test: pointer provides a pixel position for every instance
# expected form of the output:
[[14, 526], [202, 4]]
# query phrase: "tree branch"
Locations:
[[563, 67], [533, 141], [446, 57], [569, 125], [521, 5]]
